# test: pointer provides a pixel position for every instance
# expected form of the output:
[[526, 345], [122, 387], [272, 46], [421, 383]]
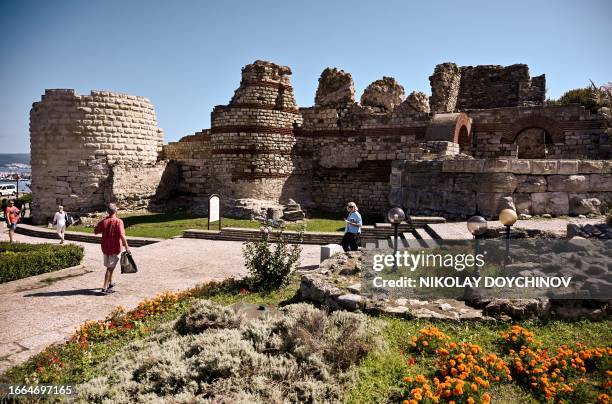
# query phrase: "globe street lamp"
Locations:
[[477, 225], [507, 217], [395, 217]]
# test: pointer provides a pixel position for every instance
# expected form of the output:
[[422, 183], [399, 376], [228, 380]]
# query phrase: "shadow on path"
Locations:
[[74, 292]]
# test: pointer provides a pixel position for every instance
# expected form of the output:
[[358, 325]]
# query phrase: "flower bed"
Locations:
[[464, 372], [20, 260]]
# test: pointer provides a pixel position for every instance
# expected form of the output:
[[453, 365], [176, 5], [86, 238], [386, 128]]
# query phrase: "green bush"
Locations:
[[270, 268], [592, 98], [20, 260], [26, 198]]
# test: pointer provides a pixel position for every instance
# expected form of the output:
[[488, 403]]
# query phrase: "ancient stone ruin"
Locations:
[[484, 133]]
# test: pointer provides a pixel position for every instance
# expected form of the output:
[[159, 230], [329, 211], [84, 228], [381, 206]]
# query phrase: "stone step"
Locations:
[[411, 240], [383, 244], [401, 243], [426, 238], [423, 220], [236, 234]]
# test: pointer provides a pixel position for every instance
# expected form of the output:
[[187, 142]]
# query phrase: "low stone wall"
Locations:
[[461, 188]]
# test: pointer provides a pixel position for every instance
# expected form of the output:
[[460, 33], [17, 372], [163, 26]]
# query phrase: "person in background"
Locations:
[[352, 230], [59, 220], [11, 215], [113, 236]]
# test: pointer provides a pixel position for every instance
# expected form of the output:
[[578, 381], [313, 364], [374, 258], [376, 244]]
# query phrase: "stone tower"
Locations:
[[76, 140], [252, 137]]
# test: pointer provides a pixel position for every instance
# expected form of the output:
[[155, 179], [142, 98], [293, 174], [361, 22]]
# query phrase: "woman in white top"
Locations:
[[60, 221]]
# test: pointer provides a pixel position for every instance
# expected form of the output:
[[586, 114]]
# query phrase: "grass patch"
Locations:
[[172, 224], [21, 260]]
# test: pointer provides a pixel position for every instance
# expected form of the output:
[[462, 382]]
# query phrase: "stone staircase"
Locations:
[[240, 234]]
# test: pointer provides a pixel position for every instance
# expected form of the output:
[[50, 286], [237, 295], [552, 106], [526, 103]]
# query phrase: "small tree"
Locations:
[[270, 264]]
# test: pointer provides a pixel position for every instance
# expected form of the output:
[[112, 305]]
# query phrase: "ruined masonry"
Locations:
[[484, 133]]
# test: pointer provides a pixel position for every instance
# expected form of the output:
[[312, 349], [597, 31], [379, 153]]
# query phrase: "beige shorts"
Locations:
[[110, 261]]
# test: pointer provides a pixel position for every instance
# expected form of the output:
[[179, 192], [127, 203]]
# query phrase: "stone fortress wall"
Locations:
[[262, 150], [77, 141]]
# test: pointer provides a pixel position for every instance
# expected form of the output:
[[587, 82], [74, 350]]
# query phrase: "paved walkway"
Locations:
[[45, 309]]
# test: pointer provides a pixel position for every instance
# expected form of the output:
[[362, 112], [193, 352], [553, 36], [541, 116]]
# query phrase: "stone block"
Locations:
[[495, 166], [473, 166], [465, 182], [568, 183], [488, 203], [590, 166], [516, 166], [522, 203], [495, 182], [463, 203], [581, 204], [554, 203], [434, 200], [531, 183], [600, 183], [329, 250], [544, 167], [452, 166], [568, 166]]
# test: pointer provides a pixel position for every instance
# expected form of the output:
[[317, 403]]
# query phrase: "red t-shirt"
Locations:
[[111, 228], [12, 213]]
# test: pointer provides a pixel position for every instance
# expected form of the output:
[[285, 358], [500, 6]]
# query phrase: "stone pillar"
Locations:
[[75, 140], [252, 137], [445, 83]]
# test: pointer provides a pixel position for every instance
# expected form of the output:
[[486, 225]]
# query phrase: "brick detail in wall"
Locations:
[[251, 129]]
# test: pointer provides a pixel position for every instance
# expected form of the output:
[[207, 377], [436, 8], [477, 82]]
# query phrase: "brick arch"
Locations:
[[446, 127], [550, 125]]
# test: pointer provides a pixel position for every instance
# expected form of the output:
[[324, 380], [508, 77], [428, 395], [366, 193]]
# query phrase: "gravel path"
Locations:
[[46, 309]]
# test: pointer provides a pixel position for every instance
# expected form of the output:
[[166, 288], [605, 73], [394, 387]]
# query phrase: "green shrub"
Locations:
[[26, 198], [204, 315], [301, 355], [20, 260], [270, 267]]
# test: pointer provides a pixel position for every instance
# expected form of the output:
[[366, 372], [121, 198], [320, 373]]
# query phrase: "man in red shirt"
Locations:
[[11, 214], [113, 235]]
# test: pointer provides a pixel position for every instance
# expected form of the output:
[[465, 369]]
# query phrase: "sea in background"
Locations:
[[16, 163]]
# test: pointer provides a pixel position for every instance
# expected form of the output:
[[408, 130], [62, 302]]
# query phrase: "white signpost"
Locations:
[[214, 210]]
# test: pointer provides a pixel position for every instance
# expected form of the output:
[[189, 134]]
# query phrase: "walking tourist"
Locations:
[[113, 236], [352, 230], [11, 215], [59, 220]]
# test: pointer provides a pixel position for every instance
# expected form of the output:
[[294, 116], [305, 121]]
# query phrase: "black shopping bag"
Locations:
[[128, 266]]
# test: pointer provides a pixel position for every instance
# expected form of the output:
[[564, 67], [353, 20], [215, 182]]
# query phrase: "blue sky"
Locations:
[[185, 56]]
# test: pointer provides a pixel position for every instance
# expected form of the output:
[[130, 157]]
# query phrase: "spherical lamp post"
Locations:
[[507, 217], [395, 217], [477, 225]]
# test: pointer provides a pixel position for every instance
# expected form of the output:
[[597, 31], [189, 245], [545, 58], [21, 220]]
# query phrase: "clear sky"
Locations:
[[186, 56]]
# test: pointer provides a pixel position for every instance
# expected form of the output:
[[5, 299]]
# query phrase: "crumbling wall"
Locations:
[[135, 186], [462, 188], [192, 156], [76, 139], [564, 132], [464, 88]]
